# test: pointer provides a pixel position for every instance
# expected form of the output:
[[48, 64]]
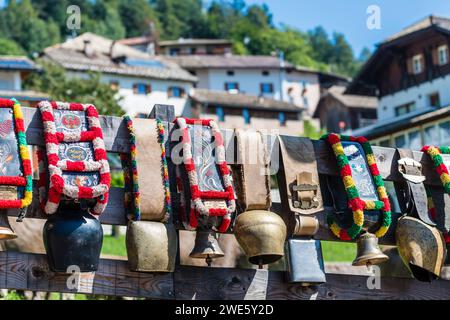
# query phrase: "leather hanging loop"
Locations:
[[415, 192], [301, 176], [252, 171], [148, 161]]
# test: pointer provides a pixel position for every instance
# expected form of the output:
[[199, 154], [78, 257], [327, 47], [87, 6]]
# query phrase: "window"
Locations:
[[230, 73], [417, 64], [114, 85], [220, 114], [142, 88], [414, 141], [442, 55], [385, 143], [266, 88], [431, 135], [232, 86], [176, 92], [400, 141], [434, 100], [193, 50], [444, 130], [174, 51], [265, 73], [246, 115], [282, 119], [405, 108]]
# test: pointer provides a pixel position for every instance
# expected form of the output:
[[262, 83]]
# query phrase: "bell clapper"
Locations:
[[208, 260], [260, 263]]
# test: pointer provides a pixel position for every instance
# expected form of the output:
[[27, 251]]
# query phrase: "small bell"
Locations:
[[206, 246], [6, 232], [368, 251]]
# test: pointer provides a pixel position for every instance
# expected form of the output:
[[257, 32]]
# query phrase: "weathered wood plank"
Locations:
[[117, 140], [26, 271], [222, 283]]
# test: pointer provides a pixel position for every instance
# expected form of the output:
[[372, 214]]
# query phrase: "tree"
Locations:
[[20, 22], [53, 80], [136, 17], [9, 47]]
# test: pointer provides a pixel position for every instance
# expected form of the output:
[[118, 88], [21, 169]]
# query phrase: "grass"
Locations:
[[338, 251], [114, 246]]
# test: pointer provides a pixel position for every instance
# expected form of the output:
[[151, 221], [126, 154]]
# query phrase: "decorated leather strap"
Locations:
[[415, 200], [355, 203], [441, 168], [15, 167], [147, 198], [70, 176], [252, 171], [211, 201]]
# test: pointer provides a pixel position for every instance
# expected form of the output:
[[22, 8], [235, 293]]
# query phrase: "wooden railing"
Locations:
[[30, 271]]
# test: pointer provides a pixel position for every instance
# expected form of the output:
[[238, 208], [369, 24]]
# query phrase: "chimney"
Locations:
[[88, 50]]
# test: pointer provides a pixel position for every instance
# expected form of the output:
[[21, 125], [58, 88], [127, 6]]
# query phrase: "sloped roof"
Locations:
[[409, 120], [239, 100], [352, 100], [111, 57], [422, 24], [228, 61], [19, 63]]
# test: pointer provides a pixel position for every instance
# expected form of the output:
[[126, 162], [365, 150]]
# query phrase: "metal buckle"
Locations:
[[306, 192], [411, 170]]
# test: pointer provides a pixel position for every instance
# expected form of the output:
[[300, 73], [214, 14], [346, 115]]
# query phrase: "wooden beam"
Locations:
[[25, 271]]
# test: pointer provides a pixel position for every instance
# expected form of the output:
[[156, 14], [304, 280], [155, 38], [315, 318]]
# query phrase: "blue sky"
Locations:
[[349, 16]]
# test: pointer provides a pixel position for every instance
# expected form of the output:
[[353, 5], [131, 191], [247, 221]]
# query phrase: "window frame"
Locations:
[[440, 49], [227, 83], [138, 85], [269, 84], [417, 58]]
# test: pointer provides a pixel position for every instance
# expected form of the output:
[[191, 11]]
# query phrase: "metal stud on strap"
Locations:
[[306, 192], [411, 170]]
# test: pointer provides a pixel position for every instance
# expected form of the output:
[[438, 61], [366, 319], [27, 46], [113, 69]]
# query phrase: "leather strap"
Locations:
[[252, 171], [148, 159], [301, 175], [441, 205], [415, 192]]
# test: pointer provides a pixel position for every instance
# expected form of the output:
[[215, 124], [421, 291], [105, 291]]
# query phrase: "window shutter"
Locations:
[[409, 66], [435, 56], [148, 88], [170, 92], [135, 88]]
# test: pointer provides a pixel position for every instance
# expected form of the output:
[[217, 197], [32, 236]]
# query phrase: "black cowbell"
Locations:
[[73, 238]]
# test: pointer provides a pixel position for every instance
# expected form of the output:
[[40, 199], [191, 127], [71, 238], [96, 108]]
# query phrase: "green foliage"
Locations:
[[310, 131], [54, 81], [36, 24], [9, 47], [114, 246]]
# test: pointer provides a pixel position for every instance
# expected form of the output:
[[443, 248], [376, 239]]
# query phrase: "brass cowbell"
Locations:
[[206, 246], [368, 251], [6, 232]]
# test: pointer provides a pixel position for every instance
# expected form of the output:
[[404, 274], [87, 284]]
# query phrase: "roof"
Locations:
[[420, 25], [228, 61], [409, 120], [348, 100], [363, 83], [190, 42], [24, 95], [20, 63], [136, 40], [240, 100], [122, 59]]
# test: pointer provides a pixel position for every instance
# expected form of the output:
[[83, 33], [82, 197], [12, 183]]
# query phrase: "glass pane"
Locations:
[[444, 129], [431, 135], [384, 143], [400, 142], [9, 154], [360, 170], [414, 140]]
